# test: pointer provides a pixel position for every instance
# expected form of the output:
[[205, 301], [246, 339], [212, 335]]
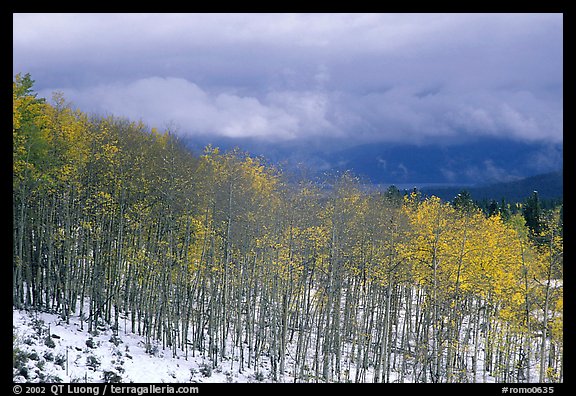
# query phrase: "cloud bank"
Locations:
[[287, 77]]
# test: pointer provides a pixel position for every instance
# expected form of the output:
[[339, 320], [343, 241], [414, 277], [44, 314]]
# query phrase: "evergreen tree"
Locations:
[[532, 212], [505, 211], [493, 208], [463, 202], [393, 195]]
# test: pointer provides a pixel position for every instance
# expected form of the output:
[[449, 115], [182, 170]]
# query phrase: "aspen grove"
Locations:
[[219, 255]]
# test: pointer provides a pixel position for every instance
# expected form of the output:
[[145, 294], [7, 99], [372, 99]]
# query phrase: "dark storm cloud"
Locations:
[[366, 77]]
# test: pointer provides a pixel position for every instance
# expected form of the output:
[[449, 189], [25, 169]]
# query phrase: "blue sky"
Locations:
[[301, 77]]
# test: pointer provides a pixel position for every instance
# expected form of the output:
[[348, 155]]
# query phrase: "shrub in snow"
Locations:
[[206, 370], [23, 372], [52, 378], [39, 326], [90, 343], [19, 357], [60, 360], [33, 356], [111, 377], [41, 364], [49, 342], [259, 376], [92, 361], [115, 340]]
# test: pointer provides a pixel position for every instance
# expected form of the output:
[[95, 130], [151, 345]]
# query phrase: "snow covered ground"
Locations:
[[46, 349], [49, 350]]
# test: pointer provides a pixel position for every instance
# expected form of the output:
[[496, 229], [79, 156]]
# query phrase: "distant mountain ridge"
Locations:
[[480, 161], [549, 186], [483, 161]]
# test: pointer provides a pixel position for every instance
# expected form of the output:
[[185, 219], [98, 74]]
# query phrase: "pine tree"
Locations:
[[532, 212], [493, 208], [463, 202]]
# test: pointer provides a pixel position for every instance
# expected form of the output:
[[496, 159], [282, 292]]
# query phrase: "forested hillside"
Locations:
[[217, 255]]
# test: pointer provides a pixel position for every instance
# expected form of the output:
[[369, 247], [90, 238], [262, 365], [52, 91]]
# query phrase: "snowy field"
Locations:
[[58, 352]]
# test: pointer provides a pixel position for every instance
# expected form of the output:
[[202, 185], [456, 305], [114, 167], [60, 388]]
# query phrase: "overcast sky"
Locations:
[[360, 77]]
